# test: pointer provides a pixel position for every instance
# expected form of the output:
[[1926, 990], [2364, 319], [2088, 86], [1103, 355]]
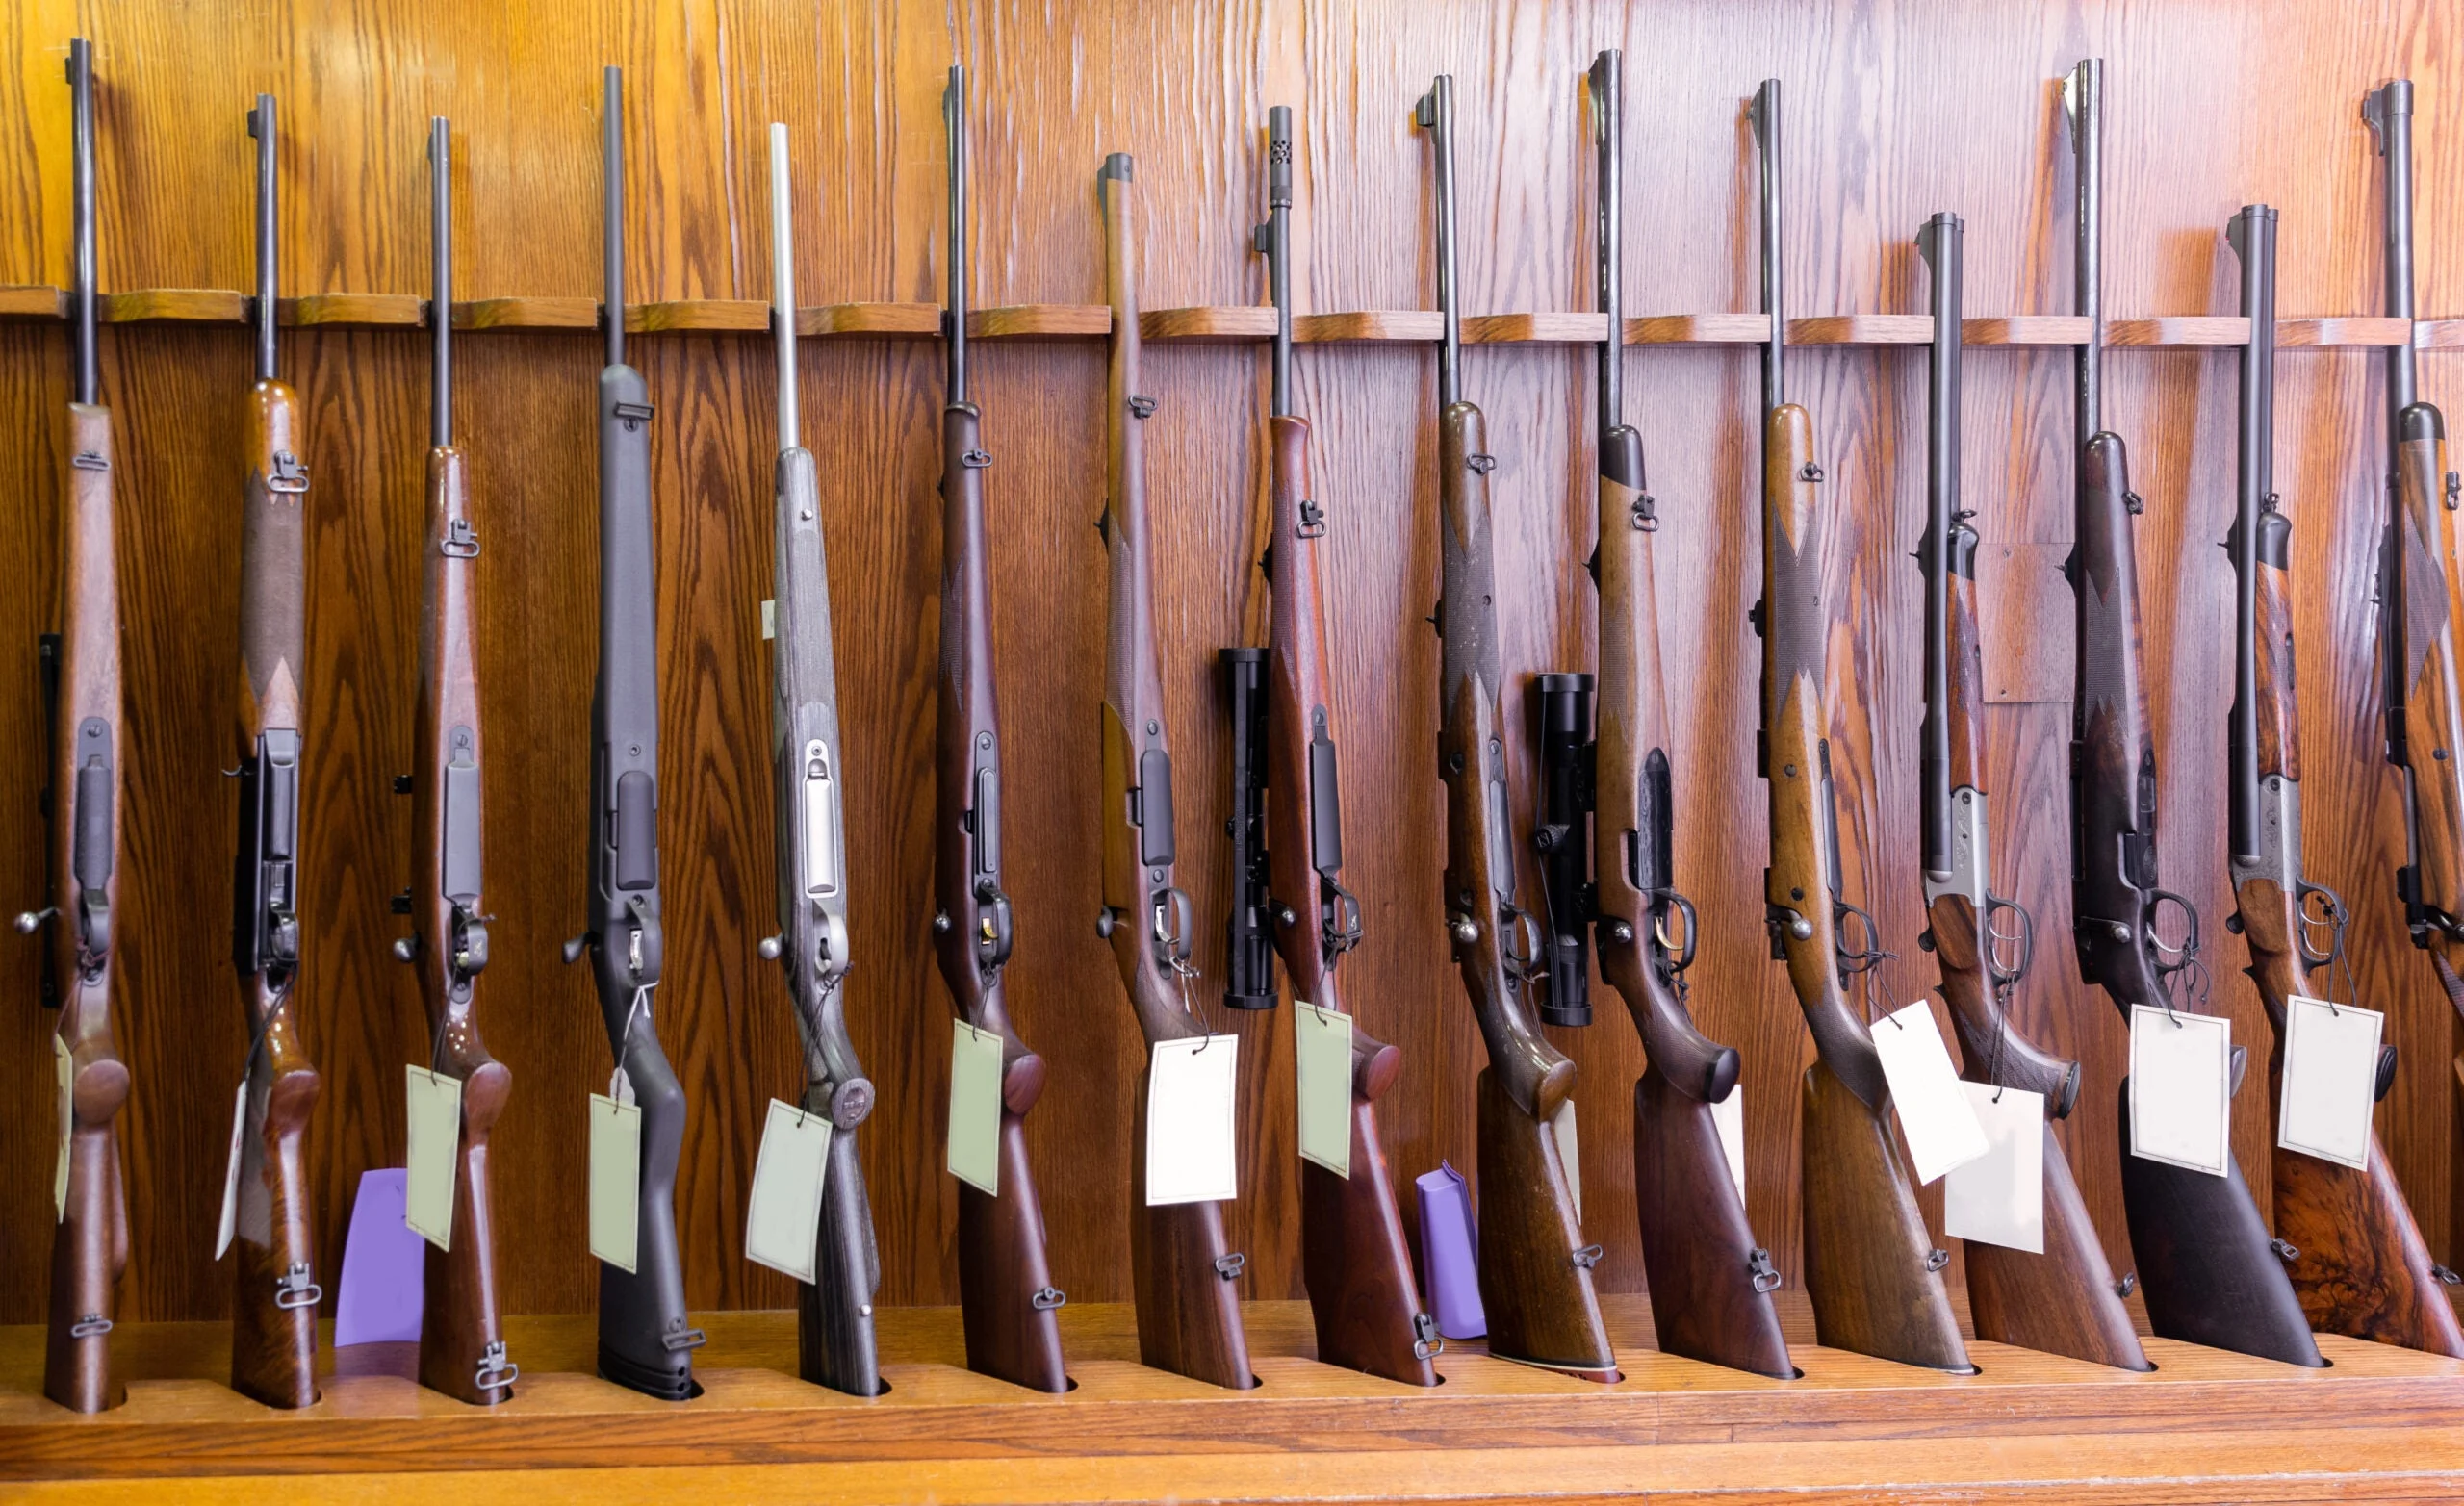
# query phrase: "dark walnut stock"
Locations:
[[460, 1320], [1002, 1261], [2063, 1300], [2363, 1268], [2204, 1265], [274, 1331], [90, 1246], [1698, 1249], [1868, 1256], [1353, 1253], [1189, 1309], [1535, 1281]]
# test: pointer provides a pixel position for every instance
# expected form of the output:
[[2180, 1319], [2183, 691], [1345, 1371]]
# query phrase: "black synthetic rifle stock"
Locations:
[[1711, 1279], [1871, 1265], [1287, 844], [2060, 1299], [1006, 1299], [646, 1341], [833, 1311], [2205, 1267], [273, 1312], [81, 799], [1535, 1267]]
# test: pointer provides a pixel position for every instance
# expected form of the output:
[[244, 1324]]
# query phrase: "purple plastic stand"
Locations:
[[384, 1267], [1449, 1253]]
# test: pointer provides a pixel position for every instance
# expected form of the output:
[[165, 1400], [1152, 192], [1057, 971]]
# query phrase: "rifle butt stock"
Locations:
[[1871, 1265], [2062, 1301], [273, 1316], [1535, 1271], [1185, 1281], [834, 1345], [1711, 1294], [462, 1348], [1354, 1255], [1007, 1303], [90, 1246], [646, 1340]]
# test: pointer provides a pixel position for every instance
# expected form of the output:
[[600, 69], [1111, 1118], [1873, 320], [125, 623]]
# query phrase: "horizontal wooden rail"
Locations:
[[1220, 324]]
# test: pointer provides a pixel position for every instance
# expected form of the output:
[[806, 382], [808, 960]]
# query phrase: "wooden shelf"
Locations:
[[527, 313], [1041, 321], [173, 306], [1216, 325], [1425, 325], [2030, 1425], [33, 302], [353, 310], [698, 315], [892, 319]]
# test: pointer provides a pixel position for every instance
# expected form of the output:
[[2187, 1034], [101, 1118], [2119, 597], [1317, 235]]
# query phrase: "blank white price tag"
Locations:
[[1999, 1197], [434, 1105], [1728, 1116], [66, 1070], [615, 1182], [2180, 1089], [1322, 1059], [974, 1153], [1569, 1152], [1941, 1128], [1189, 1087], [231, 1172], [782, 1223], [2330, 1080]]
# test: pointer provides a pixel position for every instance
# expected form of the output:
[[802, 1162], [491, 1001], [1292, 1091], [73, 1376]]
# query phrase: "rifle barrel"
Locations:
[[261, 125], [1942, 243], [1274, 238], [2389, 110], [783, 284], [2084, 92], [1436, 116], [80, 86], [954, 120], [440, 157], [1607, 122], [2252, 235], [1766, 116], [612, 200]]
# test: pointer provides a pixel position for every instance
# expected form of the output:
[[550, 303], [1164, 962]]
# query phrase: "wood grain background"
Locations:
[[1894, 109]]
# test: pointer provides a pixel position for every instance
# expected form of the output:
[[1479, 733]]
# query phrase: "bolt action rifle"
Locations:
[[1189, 1310], [2062, 1299], [1352, 1250], [273, 1318], [462, 1349], [2421, 606], [2347, 1239], [1535, 1267], [834, 1309], [81, 806], [1710, 1280], [1005, 1297], [2204, 1263], [646, 1340], [1872, 1266]]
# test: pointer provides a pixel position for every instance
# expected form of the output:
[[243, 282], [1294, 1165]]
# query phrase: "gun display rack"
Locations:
[[1904, 112]]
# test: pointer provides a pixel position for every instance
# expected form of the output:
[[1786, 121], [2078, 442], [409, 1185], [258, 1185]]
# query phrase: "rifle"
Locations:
[[1872, 1266], [2204, 1263], [835, 1311], [1352, 1250], [462, 1350], [2062, 1299], [1710, 1280], [273, 1318], [81, 810], [646, 1341], [2355, 1257], [1005, 1295], [2419, 603], [1188, 1314], [1536, 1269]]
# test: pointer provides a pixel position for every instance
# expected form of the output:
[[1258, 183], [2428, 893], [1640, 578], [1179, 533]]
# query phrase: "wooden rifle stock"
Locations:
[[1871, 1265], [90, 1246], [1188, 1310]]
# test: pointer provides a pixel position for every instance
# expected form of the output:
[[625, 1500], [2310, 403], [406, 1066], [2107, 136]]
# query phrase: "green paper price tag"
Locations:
[[1322, 1056], [434, 1104], [782, 1223], [615, 1182], [67, 1071], [975, 1109]]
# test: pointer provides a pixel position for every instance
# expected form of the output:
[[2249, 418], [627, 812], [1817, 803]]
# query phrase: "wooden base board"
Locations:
[[2381, 1424]]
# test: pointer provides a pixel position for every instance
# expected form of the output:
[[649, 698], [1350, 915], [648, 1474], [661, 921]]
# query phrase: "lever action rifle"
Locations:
[[834, 1309], [646, 1341], [2355, 1257], [1352, 1249], [1189, 1310], [2421, 606], [273, 1316], [1710, 1280], [2061, 1300], [1005, 1295], [462, 1350], [1872, 1266], [1535, 1268], [81, 806], [2204, 1264]]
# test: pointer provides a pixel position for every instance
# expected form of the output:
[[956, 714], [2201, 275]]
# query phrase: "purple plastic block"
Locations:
[[384, 1267], [1449, 1253]]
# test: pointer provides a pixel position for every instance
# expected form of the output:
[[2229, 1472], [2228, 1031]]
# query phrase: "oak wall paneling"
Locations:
[[1896, 109]]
